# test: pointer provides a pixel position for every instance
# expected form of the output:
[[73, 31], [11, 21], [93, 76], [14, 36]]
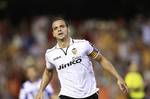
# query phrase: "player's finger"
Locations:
[[124, 88]]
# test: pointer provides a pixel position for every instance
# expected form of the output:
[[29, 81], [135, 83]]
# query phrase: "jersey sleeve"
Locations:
[[91, 50], [89, 47], [49, 65]]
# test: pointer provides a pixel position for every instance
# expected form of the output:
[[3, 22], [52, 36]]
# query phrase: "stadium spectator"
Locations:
[[135, 82], [31, 86]]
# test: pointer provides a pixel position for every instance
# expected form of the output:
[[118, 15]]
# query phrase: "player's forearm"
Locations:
[[47, 76], [109, 67]]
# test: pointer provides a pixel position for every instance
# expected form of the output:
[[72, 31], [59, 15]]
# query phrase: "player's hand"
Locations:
[[122, 85], [39, 95]]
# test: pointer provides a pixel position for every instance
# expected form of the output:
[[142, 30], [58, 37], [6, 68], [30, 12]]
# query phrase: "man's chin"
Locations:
[[60, 38]]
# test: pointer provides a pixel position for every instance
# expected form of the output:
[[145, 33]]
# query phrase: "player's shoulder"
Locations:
[[51, 49], [26, 84], [79, 40]]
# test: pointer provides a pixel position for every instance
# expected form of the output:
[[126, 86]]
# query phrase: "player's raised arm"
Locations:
[[110, 68]]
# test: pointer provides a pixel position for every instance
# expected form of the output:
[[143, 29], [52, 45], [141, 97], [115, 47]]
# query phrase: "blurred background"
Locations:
[[120, 29]]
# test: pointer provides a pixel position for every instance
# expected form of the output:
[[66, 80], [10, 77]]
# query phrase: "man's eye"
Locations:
[[62, 26], [55, 28]]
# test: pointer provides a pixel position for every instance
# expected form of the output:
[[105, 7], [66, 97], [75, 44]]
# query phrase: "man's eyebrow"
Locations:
[[55, 27], [62, 25]]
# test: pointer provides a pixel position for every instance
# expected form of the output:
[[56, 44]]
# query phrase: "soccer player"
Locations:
[[31, 86], [71, 58]]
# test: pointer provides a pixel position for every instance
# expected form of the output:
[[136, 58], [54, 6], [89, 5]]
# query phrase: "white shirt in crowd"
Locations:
[[29, 90]]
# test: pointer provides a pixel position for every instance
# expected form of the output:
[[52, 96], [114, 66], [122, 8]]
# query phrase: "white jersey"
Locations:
[[75, 70], [29, 90]]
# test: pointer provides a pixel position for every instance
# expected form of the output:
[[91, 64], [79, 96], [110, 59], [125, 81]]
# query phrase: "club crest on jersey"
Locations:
[[74, 51]]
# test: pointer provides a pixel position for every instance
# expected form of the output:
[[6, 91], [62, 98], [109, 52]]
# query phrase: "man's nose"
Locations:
[[59, 29]]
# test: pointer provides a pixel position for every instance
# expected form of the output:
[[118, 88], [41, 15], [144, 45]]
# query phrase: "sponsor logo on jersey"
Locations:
[[74, 61], [57, 58]]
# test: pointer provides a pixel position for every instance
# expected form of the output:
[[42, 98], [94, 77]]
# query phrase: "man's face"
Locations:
[[31, 74], [60, 30]]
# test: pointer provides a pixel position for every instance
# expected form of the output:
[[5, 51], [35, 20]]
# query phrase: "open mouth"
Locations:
[[60, 33]]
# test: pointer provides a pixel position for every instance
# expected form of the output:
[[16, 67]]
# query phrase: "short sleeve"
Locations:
[[49, 65], [89, 47], [92, 51]]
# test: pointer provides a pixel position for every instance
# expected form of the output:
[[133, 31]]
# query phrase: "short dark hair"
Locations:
[[55, 18]]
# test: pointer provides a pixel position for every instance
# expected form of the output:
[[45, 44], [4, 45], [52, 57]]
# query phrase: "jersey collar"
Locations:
[[71, 42]]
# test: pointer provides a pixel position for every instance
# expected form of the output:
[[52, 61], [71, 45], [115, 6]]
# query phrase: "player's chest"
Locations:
[[70, 55]]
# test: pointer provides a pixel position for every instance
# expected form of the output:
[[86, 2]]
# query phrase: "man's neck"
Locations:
[[33, 80], [64, 42]]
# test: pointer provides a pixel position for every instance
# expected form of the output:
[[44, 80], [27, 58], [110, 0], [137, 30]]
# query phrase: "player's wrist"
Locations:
[[40, 91], [119, 78]]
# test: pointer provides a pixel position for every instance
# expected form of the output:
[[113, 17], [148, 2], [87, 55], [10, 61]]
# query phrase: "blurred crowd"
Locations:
[[123, 42]]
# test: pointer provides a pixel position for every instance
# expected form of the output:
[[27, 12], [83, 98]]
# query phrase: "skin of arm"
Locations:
[[47, 76], [107, 66], [110, 68]]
